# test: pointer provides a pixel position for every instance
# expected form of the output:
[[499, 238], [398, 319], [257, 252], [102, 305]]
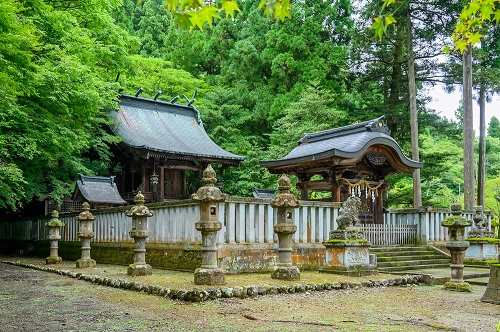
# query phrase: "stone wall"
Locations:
[[235, 258]]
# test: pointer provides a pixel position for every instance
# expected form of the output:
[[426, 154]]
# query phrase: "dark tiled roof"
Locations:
[[263, 193], [344, 142], [99, 189], [166, 128]]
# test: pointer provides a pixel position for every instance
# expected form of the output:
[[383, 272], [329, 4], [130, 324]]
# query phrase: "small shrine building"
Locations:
[[162, 141], [350, 161]]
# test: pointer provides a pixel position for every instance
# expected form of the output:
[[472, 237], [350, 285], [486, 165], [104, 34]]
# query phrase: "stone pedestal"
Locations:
[[457, 245], [140, 233], [54, 225], [85, 233], [347, 251], [492, 293], [285, 202], [483, 244], [209, 197], [482, 249]]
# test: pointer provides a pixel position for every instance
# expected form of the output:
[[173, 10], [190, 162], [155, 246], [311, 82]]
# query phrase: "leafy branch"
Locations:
[[195, 13]]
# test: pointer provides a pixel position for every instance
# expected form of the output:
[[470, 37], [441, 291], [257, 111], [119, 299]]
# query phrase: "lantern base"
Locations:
[[139, 270], [458, 286], [84, 263], [285, 273], [53, 260], [215, 276]]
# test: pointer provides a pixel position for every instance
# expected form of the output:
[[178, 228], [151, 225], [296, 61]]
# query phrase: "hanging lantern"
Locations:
[[154, 178]]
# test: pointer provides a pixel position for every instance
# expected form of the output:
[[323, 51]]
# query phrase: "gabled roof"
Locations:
[[98, 189], [349, 142], [166, 129]]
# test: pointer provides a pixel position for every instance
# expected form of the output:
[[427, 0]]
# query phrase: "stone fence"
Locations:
[[246, 242], [244, 220]]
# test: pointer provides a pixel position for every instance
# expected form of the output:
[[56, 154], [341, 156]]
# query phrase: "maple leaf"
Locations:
[[230, 7], [378, 27]]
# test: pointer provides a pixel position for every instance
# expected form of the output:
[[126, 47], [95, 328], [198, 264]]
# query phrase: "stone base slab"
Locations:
[[351, 271], [84, 263], [492, 293], [458, 286], [139, 270], [215, 276], [285, 273], [53, 260]]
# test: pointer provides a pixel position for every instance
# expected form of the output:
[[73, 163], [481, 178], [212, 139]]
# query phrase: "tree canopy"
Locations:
[[262, 83]]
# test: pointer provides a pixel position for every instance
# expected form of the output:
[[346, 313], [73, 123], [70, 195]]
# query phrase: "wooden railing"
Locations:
[[245, 221], [387, 235]]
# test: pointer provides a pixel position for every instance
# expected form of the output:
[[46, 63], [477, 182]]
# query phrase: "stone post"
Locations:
[[85, 233], [457, 245], [140, 233], [285, 202], [209, 196], [54, 236]]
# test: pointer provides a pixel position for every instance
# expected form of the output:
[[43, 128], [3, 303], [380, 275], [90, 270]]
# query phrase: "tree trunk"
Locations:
[[481, 168], [417, 191], [468, 131]]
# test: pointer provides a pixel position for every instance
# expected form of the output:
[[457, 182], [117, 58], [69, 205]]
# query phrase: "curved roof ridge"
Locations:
[[377, 124], [168, 128]]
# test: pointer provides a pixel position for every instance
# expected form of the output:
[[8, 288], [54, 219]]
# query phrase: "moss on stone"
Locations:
[[484, 239], [347, 241]]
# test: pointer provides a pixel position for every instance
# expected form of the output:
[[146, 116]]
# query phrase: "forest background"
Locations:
[[262, 83]]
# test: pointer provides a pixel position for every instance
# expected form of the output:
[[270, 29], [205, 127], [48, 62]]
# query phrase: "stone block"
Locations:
[[481, 250], [53, 260], [139, 270], [85, 263], [215, 276], [285, 273]]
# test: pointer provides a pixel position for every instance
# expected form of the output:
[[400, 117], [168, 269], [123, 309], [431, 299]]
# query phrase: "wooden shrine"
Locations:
[[162, 142], [348, 161]]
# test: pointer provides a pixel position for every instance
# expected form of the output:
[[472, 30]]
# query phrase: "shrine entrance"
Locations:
[[347, 161]]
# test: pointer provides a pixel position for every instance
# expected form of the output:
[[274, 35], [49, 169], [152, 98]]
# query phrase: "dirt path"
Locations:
[[32, 300]]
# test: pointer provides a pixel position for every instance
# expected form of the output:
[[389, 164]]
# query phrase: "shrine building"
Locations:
[[162, 142], [347, 161]]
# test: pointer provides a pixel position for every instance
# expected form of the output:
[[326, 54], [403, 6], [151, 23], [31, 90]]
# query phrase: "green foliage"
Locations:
[[59, 61], [314, 111], [154, 74], [494, 128]]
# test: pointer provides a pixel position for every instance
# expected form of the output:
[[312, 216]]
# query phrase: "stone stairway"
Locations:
[[394, 259]]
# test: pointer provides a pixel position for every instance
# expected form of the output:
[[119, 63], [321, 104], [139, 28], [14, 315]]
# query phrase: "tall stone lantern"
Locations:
[[285, 202], [457, 245], [85, 218], [54, 225], [140, 233], [209, 196]]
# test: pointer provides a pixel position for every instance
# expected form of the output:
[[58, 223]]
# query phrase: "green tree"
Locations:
[[61, 61], [494, 127]]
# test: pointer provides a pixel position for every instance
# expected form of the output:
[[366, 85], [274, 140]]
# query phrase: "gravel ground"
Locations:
[[32, 300]]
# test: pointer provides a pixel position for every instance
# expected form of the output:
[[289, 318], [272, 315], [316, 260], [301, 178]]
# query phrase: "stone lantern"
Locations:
[[457, 245], [209, 196], [140, 233], [54, 225], [85, 233], [285, 202]]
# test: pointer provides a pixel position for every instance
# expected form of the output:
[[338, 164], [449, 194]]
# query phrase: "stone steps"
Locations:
[[393, 259]]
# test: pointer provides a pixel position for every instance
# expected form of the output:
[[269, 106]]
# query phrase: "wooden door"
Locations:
[[174, 184]]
